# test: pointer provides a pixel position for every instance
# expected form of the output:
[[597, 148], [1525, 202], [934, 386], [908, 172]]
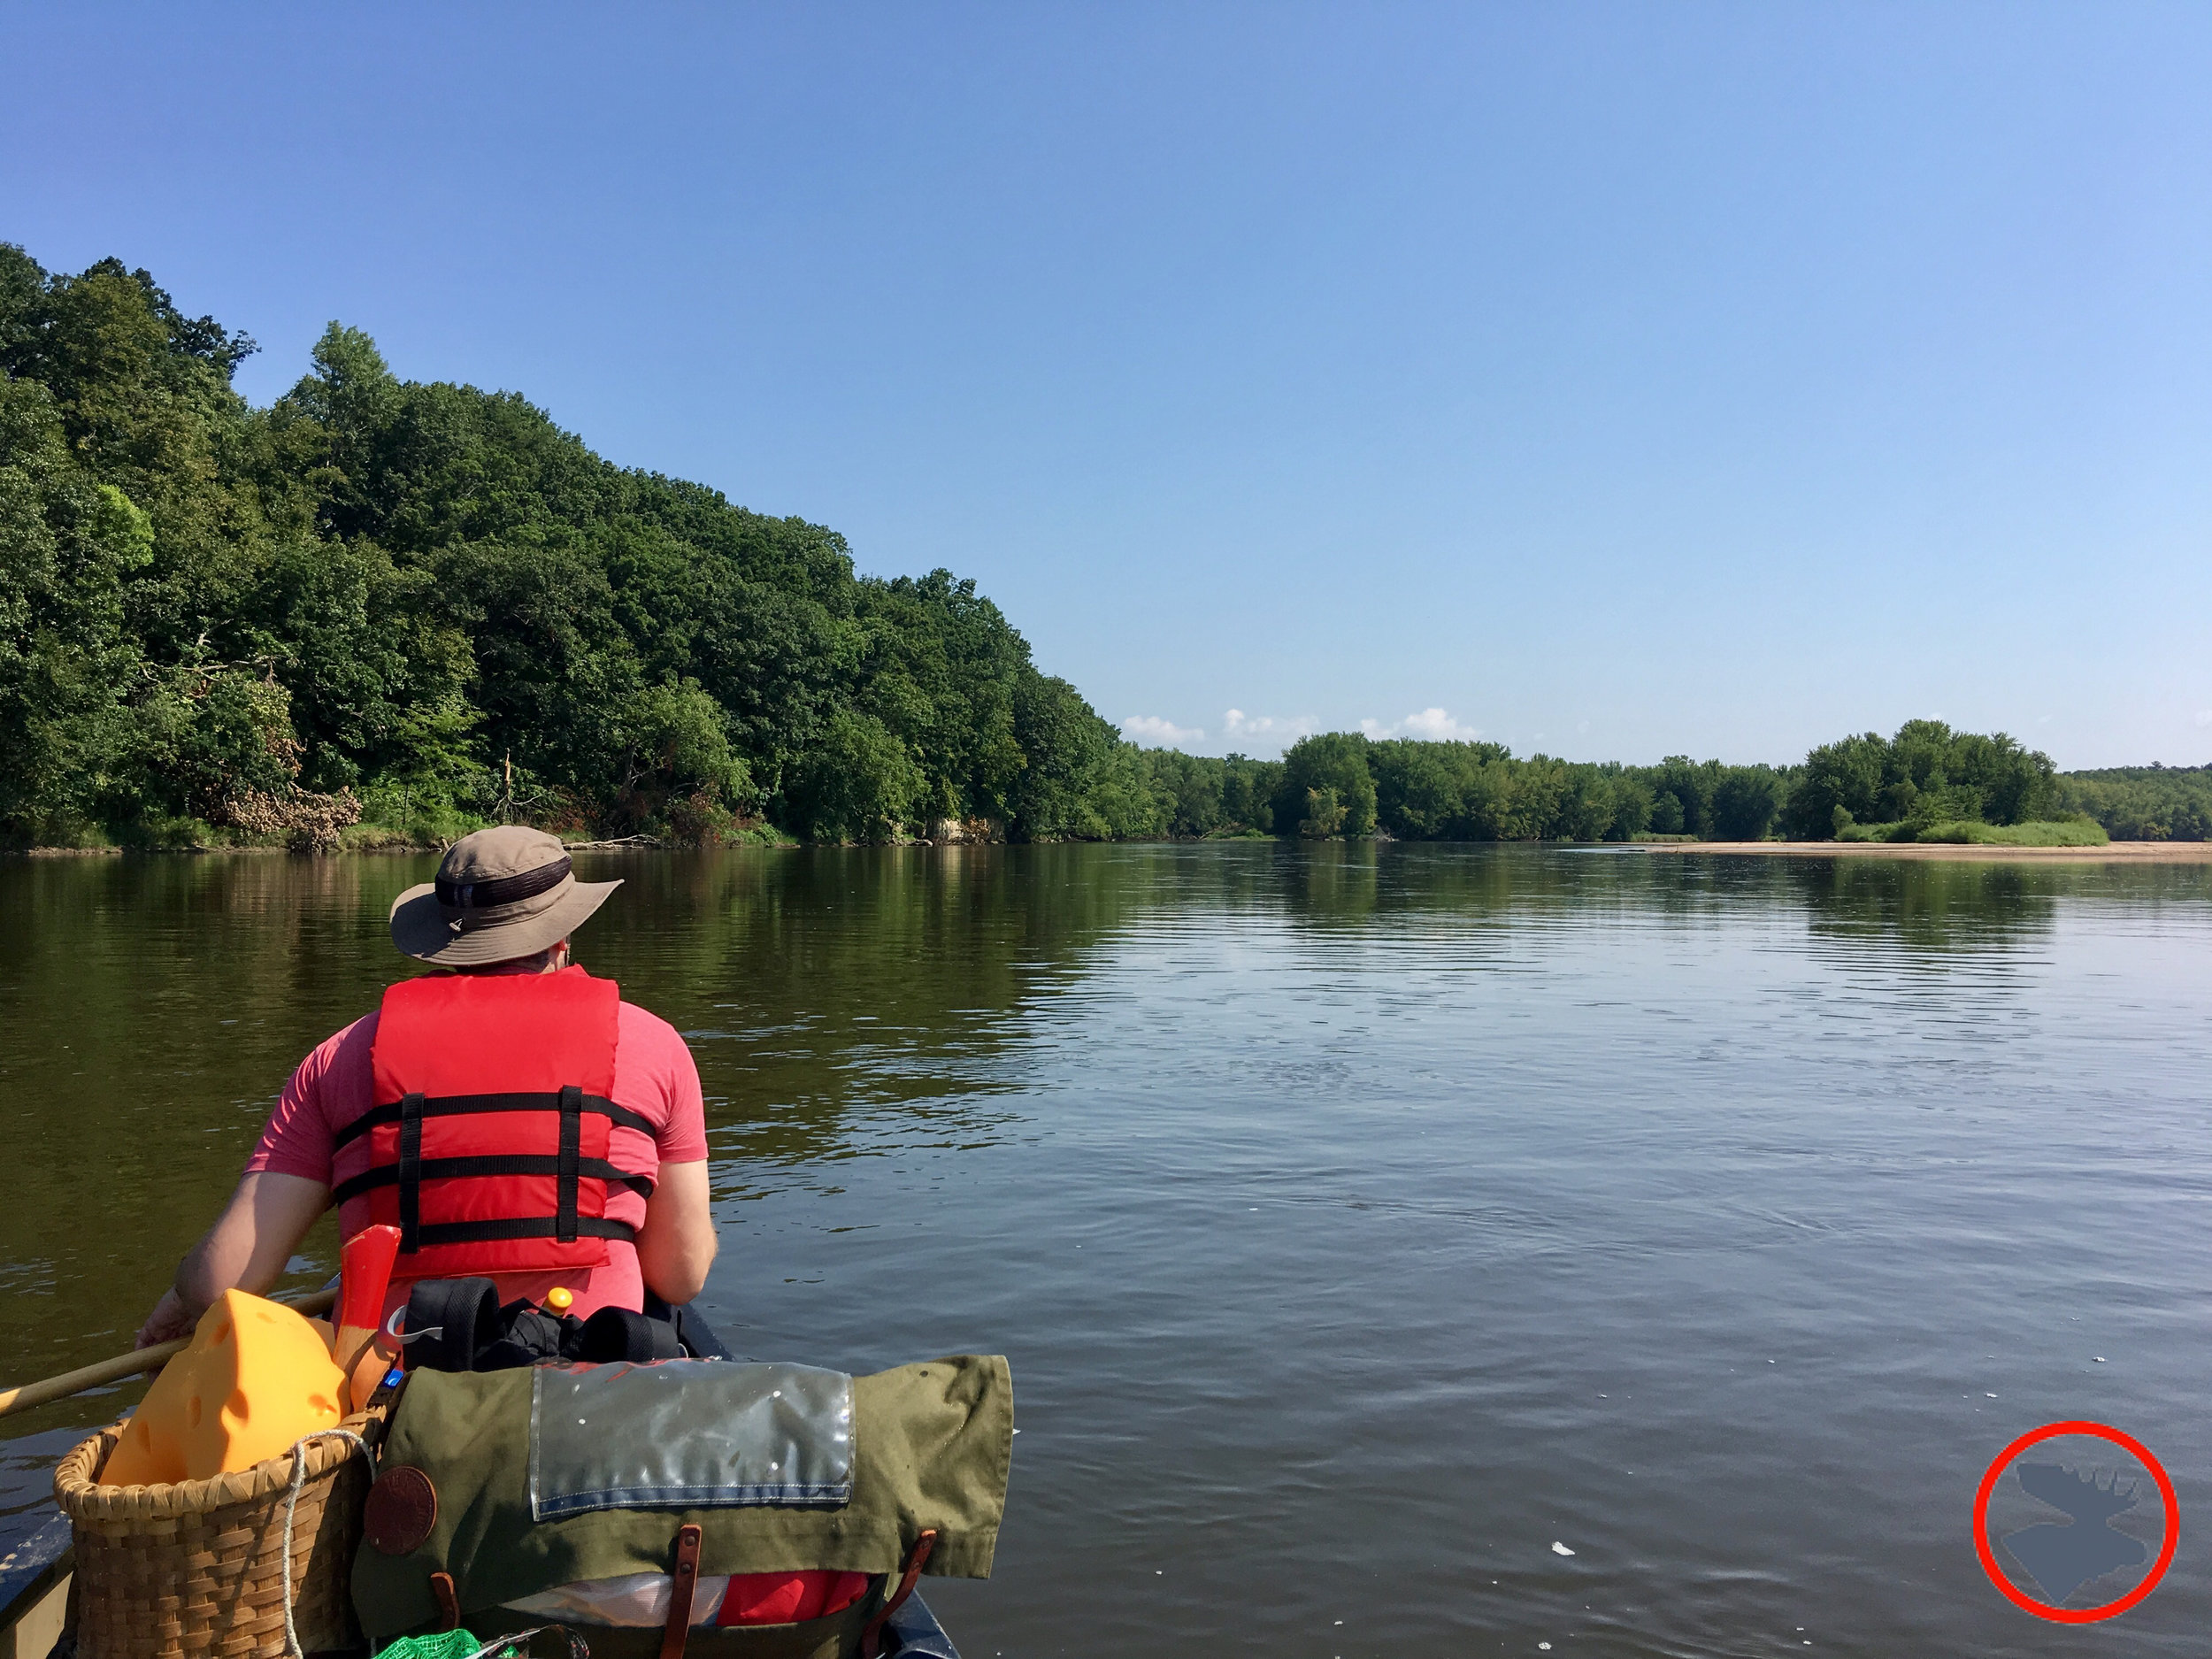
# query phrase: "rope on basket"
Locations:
[[291, 1504]]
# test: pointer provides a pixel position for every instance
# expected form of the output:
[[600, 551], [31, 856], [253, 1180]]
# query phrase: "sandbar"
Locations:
[[2117, 852]]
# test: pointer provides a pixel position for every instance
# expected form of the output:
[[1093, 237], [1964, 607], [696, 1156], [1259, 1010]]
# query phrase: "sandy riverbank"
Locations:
[[2117, 852]]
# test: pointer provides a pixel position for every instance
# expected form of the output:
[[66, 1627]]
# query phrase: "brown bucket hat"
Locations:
[[502, 893]]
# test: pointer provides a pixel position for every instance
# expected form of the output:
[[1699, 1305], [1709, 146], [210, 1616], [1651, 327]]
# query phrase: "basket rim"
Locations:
[[82, 1498]]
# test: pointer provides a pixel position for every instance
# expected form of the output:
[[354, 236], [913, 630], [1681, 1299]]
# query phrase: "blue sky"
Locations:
[[1614, 380]]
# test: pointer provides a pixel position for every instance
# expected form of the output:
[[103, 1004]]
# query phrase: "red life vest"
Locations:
[[487, 1132]]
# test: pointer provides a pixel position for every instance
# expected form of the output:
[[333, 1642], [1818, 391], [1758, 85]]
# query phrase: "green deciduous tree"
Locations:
[[859, 783], [1744, 801], [1847, 773], [1326, 788], [1926, 774]]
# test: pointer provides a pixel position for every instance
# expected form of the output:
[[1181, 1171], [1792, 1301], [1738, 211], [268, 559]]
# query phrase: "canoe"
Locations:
[[35, 1596], [34, 1571], [34, 1588]]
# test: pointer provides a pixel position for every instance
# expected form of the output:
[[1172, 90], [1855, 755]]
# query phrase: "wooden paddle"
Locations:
[[109, 1370]]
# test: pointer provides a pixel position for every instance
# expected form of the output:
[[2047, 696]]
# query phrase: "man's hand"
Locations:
[[169, 1320]]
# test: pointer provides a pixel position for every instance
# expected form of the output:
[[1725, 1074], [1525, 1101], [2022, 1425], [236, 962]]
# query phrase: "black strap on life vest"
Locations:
[[570, 1154], [568, 1166], [492, 1164], [466, 1105], [519, 1227], [409, 1174]]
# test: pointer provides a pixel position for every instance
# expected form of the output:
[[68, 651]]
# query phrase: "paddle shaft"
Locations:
[[109, 1370]]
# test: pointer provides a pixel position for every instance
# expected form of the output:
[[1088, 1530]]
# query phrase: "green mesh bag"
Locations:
[[447, 1644], [460, 1644]]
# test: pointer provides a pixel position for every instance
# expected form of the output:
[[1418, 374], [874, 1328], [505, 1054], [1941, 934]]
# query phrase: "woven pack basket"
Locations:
[[197, 1568]]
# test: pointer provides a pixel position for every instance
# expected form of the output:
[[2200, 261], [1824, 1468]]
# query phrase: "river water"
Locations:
[[1361, 1221]]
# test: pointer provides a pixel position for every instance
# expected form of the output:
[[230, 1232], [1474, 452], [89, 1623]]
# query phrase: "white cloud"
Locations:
[[1151, 728], [2204, 717], [1260, 732], [1434, 724]]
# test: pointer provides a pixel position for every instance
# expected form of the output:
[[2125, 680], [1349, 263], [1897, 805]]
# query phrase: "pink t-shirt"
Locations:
[[654, 1076]]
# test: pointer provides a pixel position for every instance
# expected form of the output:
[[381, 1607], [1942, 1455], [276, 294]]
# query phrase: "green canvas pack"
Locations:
[[929, 1448]]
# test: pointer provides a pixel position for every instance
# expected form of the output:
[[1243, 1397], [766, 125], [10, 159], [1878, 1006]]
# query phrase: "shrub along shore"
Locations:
[[380, 612]]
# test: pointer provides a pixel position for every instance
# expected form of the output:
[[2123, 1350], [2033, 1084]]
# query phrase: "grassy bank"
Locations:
[[1966, 833]]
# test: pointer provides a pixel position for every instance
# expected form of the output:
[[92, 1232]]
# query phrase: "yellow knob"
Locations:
[[559, 1297]]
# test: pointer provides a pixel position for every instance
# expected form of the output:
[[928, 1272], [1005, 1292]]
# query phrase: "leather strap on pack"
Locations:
[[917, 1558], [441, 1591], [683, 1586]]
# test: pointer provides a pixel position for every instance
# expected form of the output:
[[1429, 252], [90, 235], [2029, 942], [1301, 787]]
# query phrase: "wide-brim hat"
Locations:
[[502, 893]]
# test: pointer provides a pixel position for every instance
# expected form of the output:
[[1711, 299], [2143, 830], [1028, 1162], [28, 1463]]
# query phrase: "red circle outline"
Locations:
[[2043, 1609]]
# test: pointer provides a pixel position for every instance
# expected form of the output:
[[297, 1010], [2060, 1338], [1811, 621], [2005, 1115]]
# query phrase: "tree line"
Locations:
[[1345, 784], [1922, 781], [2149, 804], [392, 610]]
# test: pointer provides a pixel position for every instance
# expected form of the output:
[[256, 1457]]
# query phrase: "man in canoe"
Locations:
[[512, 1117]]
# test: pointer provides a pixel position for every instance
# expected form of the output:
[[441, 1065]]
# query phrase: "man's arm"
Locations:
[[676, 1246], [246, 1250]]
